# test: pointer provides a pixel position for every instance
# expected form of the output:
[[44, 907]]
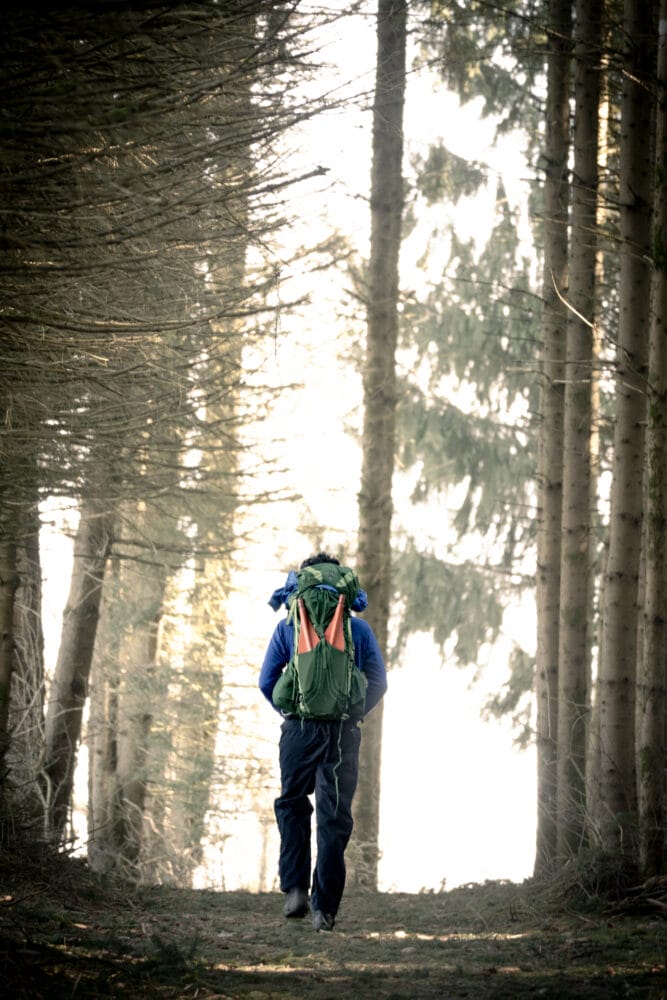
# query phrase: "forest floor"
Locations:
[[65, 933]]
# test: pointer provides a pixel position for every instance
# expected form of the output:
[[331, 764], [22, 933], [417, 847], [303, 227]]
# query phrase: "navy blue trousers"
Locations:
[[319, 757]]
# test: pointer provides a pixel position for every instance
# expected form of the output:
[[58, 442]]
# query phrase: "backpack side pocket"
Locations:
[[284, 694]]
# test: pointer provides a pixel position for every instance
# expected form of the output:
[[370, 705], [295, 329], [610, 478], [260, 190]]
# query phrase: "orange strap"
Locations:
[[334, 634], [308, 637]]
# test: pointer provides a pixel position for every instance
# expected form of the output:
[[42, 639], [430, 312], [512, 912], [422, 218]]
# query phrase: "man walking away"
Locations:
[[323, 671]]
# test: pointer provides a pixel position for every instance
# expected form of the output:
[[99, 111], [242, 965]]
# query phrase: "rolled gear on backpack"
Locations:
[[322, 680]]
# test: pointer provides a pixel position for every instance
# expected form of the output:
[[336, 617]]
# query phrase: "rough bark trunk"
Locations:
[[550, 457], [103, 731], [375, 499], [573, 659], [70, 682], [26, 720], [618, 803], [652, 672], [8, 585]]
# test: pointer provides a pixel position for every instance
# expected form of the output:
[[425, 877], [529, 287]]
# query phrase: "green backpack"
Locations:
[[322, 680]]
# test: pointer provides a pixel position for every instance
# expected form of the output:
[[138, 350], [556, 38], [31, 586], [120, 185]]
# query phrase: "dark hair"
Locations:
[[321, 557]]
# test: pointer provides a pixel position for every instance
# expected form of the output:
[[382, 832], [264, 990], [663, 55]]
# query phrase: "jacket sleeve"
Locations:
[[276, 658], [369, 659]]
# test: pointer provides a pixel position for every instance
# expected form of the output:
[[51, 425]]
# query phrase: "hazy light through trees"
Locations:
[[447, 774], [472, 776]]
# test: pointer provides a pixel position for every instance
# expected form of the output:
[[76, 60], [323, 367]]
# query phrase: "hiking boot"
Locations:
[[323, 921], [296, 904]]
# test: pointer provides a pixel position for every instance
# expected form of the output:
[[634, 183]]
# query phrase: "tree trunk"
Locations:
[[26, 720], [70, 682], [652, 667], [375, 499], [573, 656], [127, 695], [102, 729], [8, 585], [617, 821], [550, 457], [596, 560]]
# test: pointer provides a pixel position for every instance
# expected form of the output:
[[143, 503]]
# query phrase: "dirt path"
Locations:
[[66, 935]]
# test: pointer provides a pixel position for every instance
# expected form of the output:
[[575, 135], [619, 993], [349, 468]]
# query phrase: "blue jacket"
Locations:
[[367, 656]]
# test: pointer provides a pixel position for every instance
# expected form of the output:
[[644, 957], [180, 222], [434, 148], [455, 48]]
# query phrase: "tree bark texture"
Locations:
[[8, 586], [102, 729], [618, 800], [573, 656], [596, 558], [652, 667], [26, 718], [550, 446], [375, 499], [69, 689]]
